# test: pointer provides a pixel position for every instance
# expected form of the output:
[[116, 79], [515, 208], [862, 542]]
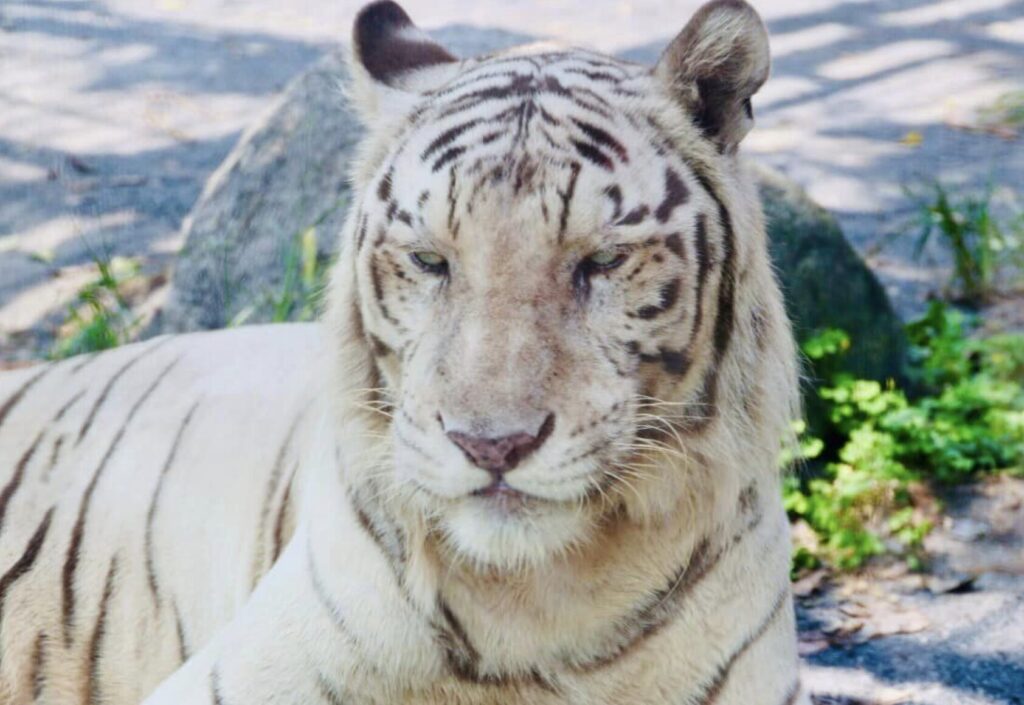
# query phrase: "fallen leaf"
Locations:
[[912, 139]]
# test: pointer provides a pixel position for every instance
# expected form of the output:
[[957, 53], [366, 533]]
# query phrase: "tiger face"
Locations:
[[546, 283]]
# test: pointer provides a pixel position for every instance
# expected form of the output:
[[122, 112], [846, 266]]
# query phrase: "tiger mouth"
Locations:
[[505, 497]]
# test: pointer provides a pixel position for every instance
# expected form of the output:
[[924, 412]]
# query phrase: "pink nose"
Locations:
[[499, 455]]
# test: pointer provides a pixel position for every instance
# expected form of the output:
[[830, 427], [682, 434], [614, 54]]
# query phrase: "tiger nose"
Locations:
[[500, 455]]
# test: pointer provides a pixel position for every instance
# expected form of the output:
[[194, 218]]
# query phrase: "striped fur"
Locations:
[[281, 515]]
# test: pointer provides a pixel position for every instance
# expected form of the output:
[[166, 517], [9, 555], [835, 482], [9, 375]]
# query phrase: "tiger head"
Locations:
[[555, 284]]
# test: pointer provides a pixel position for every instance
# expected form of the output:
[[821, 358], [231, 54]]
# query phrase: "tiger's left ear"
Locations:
[[392, 58], [715, 65]]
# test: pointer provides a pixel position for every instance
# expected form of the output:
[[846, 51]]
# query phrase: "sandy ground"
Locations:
[[112, 115]]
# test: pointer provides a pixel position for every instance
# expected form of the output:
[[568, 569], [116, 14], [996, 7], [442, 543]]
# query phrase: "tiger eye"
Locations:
[[429, 261], [607, 259]]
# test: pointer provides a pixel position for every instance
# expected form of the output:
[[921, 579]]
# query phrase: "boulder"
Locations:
[[288, 174], [826, 283]]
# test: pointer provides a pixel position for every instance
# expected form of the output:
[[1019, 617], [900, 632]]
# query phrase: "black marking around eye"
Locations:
[[567, 195], [615, 194], [676, 362], [668, 296], [676, 194], [378, 292], [379, 347], [675, 245]]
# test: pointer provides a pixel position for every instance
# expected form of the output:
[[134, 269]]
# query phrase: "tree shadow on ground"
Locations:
[[964, 660]]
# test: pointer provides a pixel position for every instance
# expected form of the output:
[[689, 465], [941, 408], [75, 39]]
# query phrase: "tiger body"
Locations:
[[503, 469]]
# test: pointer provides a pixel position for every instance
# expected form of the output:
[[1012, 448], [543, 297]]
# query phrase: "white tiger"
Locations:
[[528, 457]]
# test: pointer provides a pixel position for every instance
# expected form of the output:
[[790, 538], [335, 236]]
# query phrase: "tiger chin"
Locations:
[[528, 456]]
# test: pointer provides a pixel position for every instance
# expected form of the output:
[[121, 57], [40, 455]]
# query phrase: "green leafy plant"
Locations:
[[1007, 111], [979, 241], [99, 317], [855, 490], [305, 279]]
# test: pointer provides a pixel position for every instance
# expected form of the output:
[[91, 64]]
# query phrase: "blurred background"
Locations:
[[179, 165]]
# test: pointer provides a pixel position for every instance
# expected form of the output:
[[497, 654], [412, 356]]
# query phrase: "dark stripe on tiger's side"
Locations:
[[99, 634], [282, 514], [792, 694], [154, 501], [70, 403], [327, 602], [660, 609], [37, 665], [110, 385], [463, 659], [273, 484], [721, 677], [215, 692], [54, 455], [327, 691], [78, 532], [179, 630], [19, 473], [389, 540], [24, 564], [19, 393], [460, 654]]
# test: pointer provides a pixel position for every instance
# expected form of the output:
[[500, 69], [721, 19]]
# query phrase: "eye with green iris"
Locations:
[[429, 261], [606, 259]]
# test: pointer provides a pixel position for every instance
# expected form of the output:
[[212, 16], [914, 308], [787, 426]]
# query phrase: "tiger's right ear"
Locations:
[[391, 56]]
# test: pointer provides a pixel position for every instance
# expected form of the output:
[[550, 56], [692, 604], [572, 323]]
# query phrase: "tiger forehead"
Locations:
[[565, 142], [566, 106]]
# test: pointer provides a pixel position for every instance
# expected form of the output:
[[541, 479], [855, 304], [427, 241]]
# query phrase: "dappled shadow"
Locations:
[[109, 126], [177, 55], [963, 661]]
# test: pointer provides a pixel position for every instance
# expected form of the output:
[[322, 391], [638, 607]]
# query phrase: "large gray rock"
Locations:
[[289, 173]]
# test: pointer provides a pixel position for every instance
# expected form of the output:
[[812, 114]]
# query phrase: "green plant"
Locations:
[[854, 491], [979, 242], [99, 317], [1007, 110], [302, 286]]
